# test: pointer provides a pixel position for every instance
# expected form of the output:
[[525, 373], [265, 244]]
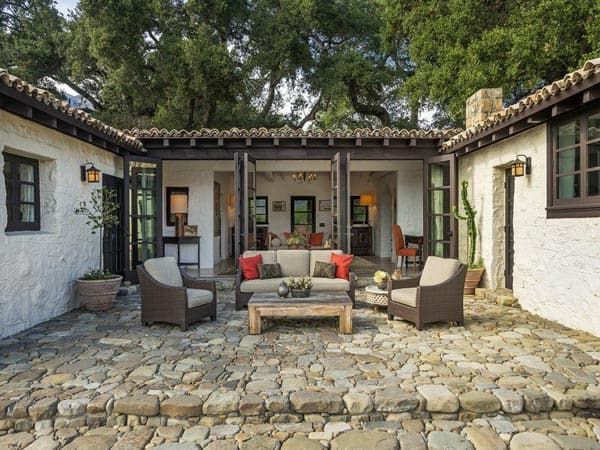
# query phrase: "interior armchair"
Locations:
[[169, 295], [436, 295]]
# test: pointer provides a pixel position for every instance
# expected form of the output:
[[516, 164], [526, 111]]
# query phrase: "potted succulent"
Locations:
[[98, 288], [381, 279], [300, 287], [475, 269]]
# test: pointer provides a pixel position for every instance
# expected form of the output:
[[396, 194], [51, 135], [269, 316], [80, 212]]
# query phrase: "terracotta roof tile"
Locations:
[[589, 70], [43, 96], [292, 133]]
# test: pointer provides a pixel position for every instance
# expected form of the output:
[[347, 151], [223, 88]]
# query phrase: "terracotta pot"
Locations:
[[98, 295], [472, 280]]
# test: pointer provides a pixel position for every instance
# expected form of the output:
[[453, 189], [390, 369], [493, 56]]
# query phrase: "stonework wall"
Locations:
[[556, 263], [37, 269]]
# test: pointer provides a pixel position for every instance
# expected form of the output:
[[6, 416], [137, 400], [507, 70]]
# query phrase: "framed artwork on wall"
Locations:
[[170, 216], [324, 205], [217, 209], [279, 206]]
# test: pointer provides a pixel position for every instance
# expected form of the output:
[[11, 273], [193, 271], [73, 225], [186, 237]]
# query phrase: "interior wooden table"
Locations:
[[319, 304]]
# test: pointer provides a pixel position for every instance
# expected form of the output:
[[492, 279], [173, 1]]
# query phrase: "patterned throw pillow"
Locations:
[[269, 271], [324, 270]]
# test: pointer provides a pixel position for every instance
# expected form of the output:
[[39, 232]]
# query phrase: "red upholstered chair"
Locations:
[[316, 239], [402, 251]]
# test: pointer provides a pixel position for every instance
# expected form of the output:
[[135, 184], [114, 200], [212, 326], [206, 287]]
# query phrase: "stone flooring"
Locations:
[[507, 379]]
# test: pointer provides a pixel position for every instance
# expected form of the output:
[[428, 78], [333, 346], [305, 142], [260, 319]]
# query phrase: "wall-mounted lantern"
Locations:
[[90, 174], [521, 166]]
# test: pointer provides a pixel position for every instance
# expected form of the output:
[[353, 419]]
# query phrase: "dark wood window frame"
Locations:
[[265, 199], [175, 190], [312, 211], [584, 205], [353, 218], [13, 200]]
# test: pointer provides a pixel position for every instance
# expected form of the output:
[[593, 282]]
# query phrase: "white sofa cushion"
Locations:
[[437, 270], [406, 296], [268, 256], [294, 263], [320, 255], [198, 297], [261, 286], [164, 270], [330, 284]]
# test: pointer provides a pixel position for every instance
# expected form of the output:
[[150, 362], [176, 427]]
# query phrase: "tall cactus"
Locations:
[[469, 217]]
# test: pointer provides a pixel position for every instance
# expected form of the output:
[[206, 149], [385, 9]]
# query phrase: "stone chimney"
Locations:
[[481, 104]]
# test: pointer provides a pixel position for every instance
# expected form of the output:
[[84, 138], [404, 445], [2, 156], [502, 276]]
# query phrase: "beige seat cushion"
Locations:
[[437, 270], [198, 297], [294, 263], [330, 284], [268, 256], [406, 296], [164, 270], [261, 286], [320, 255]]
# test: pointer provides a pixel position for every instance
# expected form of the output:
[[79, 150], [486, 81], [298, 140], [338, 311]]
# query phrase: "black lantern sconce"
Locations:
[[521, 166], [90, 174]]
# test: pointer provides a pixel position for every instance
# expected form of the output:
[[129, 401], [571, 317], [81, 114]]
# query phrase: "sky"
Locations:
[[65, 5]]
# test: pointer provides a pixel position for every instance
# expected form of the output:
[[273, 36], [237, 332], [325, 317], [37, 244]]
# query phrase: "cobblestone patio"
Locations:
[[508, 379]]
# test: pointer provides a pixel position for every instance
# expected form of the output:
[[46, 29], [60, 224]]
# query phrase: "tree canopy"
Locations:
[[338, 63]]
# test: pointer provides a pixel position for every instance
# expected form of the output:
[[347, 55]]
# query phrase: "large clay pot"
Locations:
[[98, 295], [472, 280]]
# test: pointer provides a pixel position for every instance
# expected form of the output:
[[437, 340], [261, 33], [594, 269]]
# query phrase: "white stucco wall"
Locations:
[[37, 269], [556, 262], [409, 202]]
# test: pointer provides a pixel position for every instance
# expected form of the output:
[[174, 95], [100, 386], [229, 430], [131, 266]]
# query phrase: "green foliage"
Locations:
[[98, 274], [100, 213], [342, 63], [469, 218], [300, 283]]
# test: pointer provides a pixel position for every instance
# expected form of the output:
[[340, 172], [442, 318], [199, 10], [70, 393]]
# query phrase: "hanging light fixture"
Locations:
[[521, 166], [304, 177], [90, 174]]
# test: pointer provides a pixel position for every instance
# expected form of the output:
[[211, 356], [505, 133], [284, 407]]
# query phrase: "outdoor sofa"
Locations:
[[295, 263], [435, 295], [169, 295]]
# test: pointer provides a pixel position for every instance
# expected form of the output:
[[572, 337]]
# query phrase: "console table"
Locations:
[[183, 240], [418, 241]]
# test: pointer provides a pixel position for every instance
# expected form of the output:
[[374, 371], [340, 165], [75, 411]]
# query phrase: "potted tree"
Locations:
[[474, 268], [98, 288]]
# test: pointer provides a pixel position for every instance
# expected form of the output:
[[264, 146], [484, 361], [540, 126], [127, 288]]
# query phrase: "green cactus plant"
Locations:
[[469, 218]]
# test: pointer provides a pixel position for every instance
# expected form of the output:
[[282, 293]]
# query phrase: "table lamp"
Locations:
[[179, 207]]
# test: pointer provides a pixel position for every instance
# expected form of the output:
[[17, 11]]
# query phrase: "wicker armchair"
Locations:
[[435, 295], [168, 295]]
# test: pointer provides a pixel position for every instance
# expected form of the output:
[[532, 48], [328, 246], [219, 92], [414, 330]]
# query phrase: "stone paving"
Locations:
[[507, 379]]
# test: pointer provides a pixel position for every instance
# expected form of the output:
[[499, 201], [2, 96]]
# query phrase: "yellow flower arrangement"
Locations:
[[380, 277]]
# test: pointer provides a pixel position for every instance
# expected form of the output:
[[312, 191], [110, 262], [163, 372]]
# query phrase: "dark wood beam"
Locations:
[[591, 94]]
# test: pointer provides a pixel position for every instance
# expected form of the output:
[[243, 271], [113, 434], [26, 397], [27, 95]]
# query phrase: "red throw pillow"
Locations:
[[249, 266], [316, 239], [342, 265]]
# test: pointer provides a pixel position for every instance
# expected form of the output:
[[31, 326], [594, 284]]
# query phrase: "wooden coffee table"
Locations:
[[318, 304]]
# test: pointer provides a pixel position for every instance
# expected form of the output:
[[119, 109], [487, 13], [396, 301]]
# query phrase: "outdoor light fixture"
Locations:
[[521, 166], [90, 174], [179, 207], [302, 177], [367, 200]]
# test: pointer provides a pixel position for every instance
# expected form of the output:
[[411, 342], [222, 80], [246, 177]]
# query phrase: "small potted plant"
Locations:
[[296, 240], [98, 288], [381, 278], [300, 287], [475, 269]]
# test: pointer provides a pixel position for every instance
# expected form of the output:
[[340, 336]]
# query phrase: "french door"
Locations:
[[440, 198], [143, 210], [509, 233], [112, 239], [341, 225], [245, 203]]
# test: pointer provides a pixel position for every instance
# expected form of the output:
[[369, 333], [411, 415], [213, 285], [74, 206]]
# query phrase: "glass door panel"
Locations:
[[440, 199], [335, 195]]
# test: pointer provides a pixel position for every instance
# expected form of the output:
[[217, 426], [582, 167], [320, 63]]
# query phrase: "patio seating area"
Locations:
[[505, 379]]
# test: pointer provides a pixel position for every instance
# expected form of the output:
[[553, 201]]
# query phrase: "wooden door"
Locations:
[[143, 212], [341, 225], [509, 246], [440, 197], [245, 203]]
